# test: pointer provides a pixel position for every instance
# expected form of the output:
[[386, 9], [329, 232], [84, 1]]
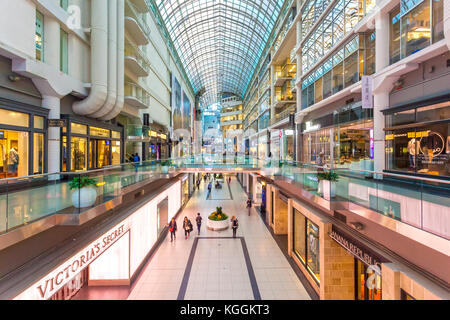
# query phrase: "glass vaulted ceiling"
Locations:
[[219, 41]]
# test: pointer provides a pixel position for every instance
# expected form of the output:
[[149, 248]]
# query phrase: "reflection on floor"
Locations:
[[219, 269]]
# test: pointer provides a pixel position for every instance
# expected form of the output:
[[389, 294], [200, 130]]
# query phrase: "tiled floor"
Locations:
[[219, 269]]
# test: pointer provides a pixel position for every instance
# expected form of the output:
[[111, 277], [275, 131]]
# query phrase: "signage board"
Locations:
[[356, 248], [367, 96], [56, 123]]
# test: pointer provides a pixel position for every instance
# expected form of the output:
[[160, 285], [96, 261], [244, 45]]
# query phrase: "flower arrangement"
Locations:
[[218, 215], [83, 182]]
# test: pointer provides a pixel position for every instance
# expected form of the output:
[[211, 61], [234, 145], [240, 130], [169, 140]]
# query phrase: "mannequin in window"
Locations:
[[413, 150], [13, 160]]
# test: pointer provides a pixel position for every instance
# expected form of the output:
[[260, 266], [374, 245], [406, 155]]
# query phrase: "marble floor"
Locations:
[[214, 265]]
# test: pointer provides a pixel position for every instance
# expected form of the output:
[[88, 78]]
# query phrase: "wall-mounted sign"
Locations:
[[367, 96], [356, 248], [310, 127], [53, 282], [56, 123]]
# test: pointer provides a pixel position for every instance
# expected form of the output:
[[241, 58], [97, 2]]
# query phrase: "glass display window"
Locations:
[[78, 154], [307, 243], [13, 153], [38, 153], [116, 152], [424, 150]]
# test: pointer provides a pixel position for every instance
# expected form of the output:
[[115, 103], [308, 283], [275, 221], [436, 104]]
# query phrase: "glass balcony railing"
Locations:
[[280, 116], [423, 203], [138, 131]]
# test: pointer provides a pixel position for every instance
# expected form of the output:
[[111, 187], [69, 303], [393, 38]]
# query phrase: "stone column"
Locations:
[[381, 97]]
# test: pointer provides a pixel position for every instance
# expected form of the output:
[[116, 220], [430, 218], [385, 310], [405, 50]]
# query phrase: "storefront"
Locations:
[[262, 146], [23, 141], [367, 266], [254, 146], [88, 144], [185, 194], [418, 138], [113, 257], [345, 137]]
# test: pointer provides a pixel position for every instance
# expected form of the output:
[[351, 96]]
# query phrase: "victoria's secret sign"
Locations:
[[49, 285], [356, 248]]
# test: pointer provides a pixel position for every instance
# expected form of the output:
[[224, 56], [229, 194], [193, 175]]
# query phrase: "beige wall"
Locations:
[[396, 278]]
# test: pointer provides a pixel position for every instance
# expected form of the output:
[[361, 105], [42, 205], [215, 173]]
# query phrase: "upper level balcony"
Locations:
[[136, 61], [283, 115], [136, 25], [136, 96]]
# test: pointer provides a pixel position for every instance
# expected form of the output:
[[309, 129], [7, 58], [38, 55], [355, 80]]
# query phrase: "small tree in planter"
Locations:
[[328, 183], [85, 192]]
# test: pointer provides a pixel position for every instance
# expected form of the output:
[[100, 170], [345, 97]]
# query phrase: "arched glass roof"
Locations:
[[219, 42]]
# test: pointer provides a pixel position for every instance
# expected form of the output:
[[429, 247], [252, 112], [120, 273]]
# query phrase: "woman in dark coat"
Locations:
[[173, 229]]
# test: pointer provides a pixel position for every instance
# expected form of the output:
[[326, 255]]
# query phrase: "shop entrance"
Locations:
[[100, 153], [368, 282]]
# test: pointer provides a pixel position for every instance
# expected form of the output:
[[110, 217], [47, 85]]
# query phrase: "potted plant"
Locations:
[[218, 220], [165, 167], [85, 192], [327, 184]]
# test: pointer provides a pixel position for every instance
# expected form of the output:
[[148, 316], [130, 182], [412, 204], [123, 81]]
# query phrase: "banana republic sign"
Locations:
[[356, 248], [53, 282]]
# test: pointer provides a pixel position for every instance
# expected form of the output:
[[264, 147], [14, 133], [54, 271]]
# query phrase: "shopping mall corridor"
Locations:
[[215, 266]]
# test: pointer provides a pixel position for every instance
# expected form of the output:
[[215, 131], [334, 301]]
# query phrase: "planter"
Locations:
[[165, 170], [218, 225], [84, 197], [328, 189]]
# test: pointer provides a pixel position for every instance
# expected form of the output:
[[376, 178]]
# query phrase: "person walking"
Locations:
[[209, 189], [229, 180], [198, 184], [249, 206], [234, 225], [173, 229], [199, 222], [187, 226]]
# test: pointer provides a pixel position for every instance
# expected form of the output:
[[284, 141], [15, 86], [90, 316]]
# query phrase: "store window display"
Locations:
[[418, 140], [13, 154]]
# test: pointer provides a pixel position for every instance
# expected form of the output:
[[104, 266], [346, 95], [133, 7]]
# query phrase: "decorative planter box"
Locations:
[[84, 197], [218, 225]]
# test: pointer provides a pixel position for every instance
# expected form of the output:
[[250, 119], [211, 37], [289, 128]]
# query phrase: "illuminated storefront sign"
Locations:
[[59, 277]]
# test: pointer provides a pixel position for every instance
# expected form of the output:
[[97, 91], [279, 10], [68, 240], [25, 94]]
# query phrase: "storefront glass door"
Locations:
[[368, 286], [99, 152]]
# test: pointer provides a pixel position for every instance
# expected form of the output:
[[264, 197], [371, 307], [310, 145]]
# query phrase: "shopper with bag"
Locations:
[[173, 229]]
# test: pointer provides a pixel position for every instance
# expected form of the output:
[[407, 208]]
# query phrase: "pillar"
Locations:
[[272, 92], [50, 100], [381, 97], [54, 134]]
